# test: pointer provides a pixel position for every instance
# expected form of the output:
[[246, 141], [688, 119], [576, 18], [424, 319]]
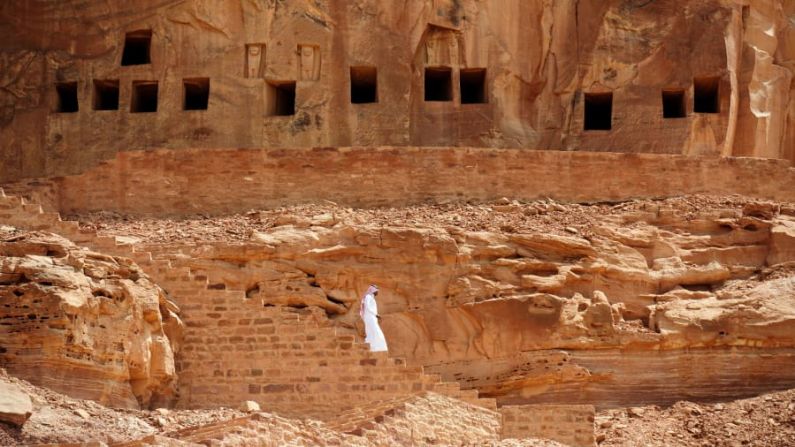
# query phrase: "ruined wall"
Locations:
[[174, 183], [236, 350], [568, 424], [511, 73]]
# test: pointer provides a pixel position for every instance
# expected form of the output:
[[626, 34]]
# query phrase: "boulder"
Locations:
[[15, 405]]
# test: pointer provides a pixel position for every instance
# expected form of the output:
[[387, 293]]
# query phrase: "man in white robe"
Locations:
[[369, 313]]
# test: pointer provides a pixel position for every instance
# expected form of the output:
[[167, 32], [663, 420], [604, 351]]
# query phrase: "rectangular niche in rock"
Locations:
[[136, 47], [438, 84], [106, 94], [673, 101], [67, 97], [144, 97], [598, 111], [255, 60], [473, 85], [196, 93], [706, 95], [364, 85], [308, 62], [280, 98]]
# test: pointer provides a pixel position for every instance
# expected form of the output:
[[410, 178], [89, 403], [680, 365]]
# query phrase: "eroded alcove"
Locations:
[[598, 111], [137, 45], [673, 102], [280, 98], [106, 94], [67, 97], [706, 94], [473, 86], [195, 93], [364, 85], [438, 84], [144, 96]]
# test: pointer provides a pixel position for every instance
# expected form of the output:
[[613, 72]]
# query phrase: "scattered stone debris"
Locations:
[[767, 420], [514, 216]]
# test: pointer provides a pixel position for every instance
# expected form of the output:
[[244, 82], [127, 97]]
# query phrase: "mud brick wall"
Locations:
[[170, 182], [569, 424], [236, 350]]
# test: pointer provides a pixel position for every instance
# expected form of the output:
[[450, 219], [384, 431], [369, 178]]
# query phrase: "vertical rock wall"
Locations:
[[513, 74]]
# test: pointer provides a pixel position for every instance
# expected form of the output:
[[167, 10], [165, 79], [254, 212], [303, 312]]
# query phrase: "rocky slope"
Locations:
[[427, 420], [84, 323], [767, 420]]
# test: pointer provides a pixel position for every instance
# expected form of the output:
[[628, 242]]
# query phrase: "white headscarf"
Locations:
[[370, 290]]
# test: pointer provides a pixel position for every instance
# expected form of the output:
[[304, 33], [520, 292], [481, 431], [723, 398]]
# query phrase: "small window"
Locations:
[[673, 101], [67, 97], [106, 94], [598, 111], [281, 100], [196, 93], [364, 85], [706, 95], [144, 97], [473, 86], [136, 47], [438, 84]]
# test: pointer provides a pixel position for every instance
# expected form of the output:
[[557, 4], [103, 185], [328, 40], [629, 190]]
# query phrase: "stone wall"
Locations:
[[569, 424], [170, 182], [509, 74], [290, 362]]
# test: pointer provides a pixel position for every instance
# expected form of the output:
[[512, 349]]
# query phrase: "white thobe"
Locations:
[[375, 337]]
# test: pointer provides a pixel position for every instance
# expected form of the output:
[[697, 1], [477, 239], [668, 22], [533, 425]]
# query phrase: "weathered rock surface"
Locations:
[[490, 307], [539, 60], [15, 404], [86, 324]]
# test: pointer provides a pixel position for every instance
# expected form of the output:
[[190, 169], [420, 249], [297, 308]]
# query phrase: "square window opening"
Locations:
[[144, 97], [67, 97], [473, 86], [281, 98], [438, 84], [364, 85], [673, 101], [196, 93], [106, 94], [598, 111], [706, 95], [136, 47]]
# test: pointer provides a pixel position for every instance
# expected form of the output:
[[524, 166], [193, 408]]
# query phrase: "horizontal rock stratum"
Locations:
[[84, 323]]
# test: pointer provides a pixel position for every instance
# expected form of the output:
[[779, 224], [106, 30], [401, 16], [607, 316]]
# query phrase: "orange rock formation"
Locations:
[[570, 207], [85, 323], [695, 77]]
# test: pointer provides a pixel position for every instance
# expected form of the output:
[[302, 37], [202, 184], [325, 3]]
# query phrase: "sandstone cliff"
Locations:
[[83, 323], [514, 73]]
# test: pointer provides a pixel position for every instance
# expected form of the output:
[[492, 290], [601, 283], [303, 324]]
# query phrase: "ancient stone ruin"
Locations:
[[580, 215]]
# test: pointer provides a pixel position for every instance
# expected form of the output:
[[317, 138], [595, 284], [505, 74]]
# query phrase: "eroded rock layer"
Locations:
[[86, 324]]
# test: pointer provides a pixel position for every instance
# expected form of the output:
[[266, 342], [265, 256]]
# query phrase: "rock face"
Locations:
[[645, 282], [695, 77], [86, 324]]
